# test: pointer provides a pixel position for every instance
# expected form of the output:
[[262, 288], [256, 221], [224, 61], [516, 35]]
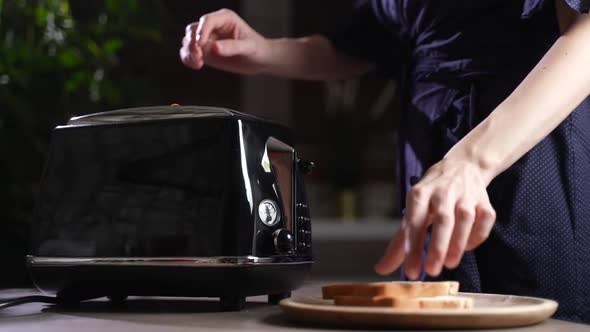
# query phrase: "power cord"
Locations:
[[7, 303]]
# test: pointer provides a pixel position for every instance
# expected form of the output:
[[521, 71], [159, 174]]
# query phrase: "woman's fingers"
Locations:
[[192, 59], [484, 221], [415, 232], [452, 198], [464, 218], [224, 41], [222, 22], [233, 47], [413, 259], [443, 222], [452, 223], [394, 254], [200, 35], [190, 53]]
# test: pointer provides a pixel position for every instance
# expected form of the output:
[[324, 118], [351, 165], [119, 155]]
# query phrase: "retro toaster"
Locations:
[[171, 201]]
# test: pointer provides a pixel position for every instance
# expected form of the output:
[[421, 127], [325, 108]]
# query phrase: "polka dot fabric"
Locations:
[[530, 7], [539, 245], [460, 65], [581, 6]]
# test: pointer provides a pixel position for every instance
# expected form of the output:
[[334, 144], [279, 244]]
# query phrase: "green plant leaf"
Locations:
[[111, 46], [40, 15], [77, 80], [132, 5], [110, 92], [122, 7], [111, 5], [70, 58], [64, 8], [93, 48], [1, 10]]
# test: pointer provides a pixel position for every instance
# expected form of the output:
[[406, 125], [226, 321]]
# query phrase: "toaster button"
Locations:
[[304, 221], [302, 209], [302, 206], [304, 246], [305, 235]]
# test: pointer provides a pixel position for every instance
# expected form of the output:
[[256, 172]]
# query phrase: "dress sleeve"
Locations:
[[581, 6], [532, 6], [372, 36]]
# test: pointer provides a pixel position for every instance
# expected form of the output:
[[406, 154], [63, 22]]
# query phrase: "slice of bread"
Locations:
[[392, 289], [435, 302]]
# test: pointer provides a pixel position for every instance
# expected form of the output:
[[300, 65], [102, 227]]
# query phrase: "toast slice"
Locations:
[[435, 302], [392, 289]]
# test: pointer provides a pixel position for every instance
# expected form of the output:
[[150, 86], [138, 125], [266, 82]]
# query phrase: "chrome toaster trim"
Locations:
[[141, 114], [225, 261]]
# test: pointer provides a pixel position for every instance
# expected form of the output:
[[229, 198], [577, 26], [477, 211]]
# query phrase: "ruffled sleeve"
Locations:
[[532, 6], [581, 6], [371, 36]]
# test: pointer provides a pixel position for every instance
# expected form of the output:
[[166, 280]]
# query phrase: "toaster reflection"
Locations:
[[154, 190]]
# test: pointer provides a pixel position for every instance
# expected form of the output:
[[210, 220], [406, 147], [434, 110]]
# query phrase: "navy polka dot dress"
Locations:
[[456, 60]]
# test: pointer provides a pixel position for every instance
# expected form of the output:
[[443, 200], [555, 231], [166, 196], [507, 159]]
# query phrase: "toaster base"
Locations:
[[232, 284]]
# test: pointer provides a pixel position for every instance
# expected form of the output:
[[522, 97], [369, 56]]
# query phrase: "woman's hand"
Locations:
[[452, 198], [223, 40]]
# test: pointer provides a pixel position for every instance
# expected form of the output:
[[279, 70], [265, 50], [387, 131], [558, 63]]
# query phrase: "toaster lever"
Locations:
[[305, 166]]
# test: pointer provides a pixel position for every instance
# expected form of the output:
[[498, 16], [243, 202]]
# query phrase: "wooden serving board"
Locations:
[[489, 311]]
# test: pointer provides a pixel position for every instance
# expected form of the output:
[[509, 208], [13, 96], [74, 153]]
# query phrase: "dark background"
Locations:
[[62, 58]]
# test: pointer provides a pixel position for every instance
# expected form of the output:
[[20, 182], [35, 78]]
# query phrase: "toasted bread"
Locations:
[[392, 289], [435, 302]]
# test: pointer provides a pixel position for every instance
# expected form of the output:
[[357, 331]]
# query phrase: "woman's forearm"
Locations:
[[310, 58], [551, 91]]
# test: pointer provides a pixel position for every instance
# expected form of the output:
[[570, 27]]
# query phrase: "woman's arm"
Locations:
[[311, 58], [551, 91], [223, 40], [452, 194]]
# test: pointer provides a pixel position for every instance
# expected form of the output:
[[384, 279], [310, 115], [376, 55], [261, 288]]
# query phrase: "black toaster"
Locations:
[[171, 201]]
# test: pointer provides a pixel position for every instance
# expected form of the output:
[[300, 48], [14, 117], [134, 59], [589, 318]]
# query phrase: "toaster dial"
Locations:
[[283, 241], [269, 213]]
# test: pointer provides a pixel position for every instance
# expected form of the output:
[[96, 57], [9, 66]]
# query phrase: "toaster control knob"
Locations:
[[305, 166], [283, 241]]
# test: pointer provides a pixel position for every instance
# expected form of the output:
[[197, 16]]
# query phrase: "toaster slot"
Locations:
[[281, 159]]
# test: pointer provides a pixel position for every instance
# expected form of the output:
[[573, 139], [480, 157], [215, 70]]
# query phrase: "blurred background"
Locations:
[[61, 58]]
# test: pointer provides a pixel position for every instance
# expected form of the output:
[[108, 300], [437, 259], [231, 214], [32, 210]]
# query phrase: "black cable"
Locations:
[[6, 303]]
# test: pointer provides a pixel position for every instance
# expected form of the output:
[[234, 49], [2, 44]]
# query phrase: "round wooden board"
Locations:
[[489, 311]]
